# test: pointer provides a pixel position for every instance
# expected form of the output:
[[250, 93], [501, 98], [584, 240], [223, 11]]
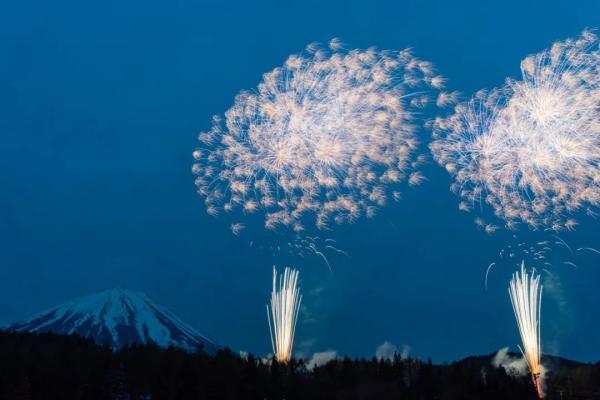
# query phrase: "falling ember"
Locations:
[[285, 305], [526, 297]]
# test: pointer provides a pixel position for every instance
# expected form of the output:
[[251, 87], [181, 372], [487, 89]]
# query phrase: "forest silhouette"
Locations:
[[48, 366]]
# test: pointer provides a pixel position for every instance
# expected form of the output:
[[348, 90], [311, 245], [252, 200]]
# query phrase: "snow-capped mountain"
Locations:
[[118, 318]]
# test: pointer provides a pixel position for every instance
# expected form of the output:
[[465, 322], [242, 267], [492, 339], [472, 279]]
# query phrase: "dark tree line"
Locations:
[[69, 367]]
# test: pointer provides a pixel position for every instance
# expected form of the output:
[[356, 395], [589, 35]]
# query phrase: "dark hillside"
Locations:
[[69, 367]]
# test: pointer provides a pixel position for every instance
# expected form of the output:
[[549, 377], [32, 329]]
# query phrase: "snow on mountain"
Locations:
[[118, 318]]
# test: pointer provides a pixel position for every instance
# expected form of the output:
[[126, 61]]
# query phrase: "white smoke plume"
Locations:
[[387, 351], [321, 358], [516, 366]]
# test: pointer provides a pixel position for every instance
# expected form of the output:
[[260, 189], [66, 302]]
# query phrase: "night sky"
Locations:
[[101, 103]]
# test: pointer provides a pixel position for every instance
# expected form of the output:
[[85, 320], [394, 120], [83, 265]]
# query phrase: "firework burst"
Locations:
[[285, 305], [329, 135], [526, 297], [530, 149]]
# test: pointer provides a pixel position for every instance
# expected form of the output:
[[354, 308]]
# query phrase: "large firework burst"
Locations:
[[526, 297], [285, 305], [530, 149], [329, 135]]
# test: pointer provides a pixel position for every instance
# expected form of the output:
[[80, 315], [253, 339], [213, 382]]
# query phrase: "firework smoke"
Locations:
[[514, 366], [329, 135], [321, 358], [526, 297], [285, 305], [530, 149]]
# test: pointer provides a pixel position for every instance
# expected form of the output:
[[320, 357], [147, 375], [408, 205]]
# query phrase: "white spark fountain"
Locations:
[[285, 305], [526, 297]]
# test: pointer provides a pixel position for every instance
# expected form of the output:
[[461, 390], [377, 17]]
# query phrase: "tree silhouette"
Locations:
[[49, 366]]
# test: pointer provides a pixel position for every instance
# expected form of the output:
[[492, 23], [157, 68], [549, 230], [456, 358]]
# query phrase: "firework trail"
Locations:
[[303, 246], [487, 272], [530, 149], [328, 136], [591, 249], [526, 297], [549, 252], [540, 251], [285, 305]]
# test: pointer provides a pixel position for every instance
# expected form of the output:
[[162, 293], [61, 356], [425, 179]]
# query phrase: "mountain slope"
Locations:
[[118, 318]]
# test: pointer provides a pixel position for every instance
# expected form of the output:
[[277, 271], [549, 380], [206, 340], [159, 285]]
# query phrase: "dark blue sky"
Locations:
[[100, 105]]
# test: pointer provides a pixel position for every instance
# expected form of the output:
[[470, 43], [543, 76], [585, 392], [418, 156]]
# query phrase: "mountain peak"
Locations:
[[118, 318]]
